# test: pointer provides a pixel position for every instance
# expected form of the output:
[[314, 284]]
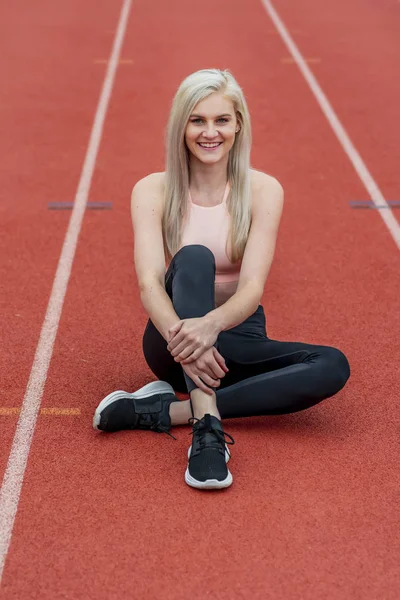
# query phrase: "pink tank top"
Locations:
[[209, 226]]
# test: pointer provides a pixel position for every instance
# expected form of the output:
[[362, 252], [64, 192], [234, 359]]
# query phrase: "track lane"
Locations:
[[357, 45], [51, 90]]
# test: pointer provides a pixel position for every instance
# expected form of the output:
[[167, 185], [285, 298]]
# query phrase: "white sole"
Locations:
[[155, 387], [209, 484]]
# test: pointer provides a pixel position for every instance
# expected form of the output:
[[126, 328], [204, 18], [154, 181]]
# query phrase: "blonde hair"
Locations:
[[192, 90]]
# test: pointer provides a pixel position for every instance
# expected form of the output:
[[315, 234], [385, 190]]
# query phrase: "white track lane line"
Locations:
[[13, 478], [348, 146]]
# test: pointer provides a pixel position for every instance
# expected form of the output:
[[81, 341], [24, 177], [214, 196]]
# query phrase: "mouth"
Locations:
[[209, 147]]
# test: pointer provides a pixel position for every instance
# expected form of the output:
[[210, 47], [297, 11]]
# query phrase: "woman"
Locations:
[[215, 221]]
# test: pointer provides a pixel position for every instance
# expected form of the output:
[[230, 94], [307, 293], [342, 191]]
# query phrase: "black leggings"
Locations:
[[266, 377]]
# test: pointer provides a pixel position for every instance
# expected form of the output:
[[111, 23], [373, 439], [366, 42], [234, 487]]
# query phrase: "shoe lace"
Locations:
[[204, 426], [152, 422]]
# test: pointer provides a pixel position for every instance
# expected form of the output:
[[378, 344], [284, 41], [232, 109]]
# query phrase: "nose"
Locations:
[[210, 131]]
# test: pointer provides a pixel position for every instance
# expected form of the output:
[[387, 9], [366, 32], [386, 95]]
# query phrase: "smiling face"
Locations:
[[211, 129]]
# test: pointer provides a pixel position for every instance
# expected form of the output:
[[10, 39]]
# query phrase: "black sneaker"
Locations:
[[208, 455], [148, 408]]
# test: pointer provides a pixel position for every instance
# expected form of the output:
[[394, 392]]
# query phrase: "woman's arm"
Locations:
[[146, 211], [267, 205]]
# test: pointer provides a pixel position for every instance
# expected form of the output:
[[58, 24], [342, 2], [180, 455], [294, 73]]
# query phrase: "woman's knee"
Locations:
[[195, 255], [336, 367], [194, 264]]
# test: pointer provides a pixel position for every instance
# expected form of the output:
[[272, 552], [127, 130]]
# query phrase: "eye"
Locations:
[[220, 120]]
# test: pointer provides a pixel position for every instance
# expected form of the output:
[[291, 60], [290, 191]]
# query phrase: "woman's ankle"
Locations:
[[180, 412], [204, 404]]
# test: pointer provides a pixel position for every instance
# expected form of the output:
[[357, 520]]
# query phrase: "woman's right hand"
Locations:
[[207, 369]]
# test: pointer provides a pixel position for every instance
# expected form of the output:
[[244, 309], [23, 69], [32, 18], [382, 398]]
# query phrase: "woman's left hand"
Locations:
[[189, 338]]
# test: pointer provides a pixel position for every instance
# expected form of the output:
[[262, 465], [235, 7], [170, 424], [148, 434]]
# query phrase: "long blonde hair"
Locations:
[[192, 90]]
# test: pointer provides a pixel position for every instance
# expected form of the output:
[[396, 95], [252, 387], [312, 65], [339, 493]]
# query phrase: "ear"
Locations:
[[239, 123]]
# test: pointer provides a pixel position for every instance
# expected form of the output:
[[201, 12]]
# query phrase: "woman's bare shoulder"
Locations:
[[266, 193], [153, 182], [261, 181]]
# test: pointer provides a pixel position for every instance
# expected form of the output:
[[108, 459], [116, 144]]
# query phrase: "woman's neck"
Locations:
[[207, 179]]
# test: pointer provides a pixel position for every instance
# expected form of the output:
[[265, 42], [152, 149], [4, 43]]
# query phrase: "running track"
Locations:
[[312, 511]]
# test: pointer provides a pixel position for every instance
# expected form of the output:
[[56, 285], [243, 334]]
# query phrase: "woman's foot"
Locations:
[[147, 408], [208, 455]]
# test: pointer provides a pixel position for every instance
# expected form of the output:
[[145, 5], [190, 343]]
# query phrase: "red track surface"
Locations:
[[311, 513]]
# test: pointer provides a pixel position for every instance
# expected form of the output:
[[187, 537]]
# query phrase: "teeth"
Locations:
[[210, 145]]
